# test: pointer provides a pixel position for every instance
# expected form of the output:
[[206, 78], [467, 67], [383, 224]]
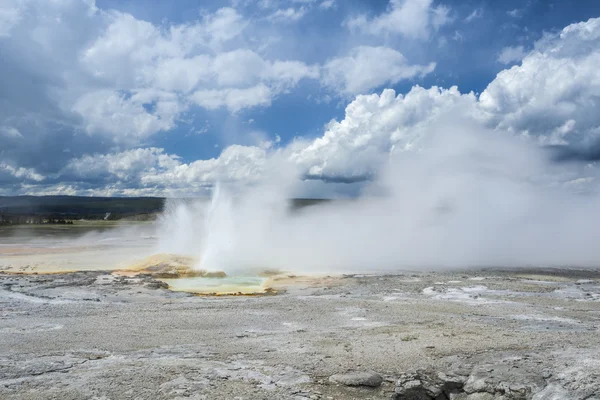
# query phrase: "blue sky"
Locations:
[[104, 97]]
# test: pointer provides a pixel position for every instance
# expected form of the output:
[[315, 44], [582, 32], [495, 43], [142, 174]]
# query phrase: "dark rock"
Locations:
[[370, 379], [426, 386], [157, 285]]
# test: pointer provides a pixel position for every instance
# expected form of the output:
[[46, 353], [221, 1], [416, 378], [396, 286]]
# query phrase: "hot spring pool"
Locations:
[[227, 285]]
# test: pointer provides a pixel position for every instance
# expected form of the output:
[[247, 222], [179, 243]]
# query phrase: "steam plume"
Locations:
[[467, 196]]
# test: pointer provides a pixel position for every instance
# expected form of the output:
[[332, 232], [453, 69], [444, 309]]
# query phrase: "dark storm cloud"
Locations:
[[565, 153]]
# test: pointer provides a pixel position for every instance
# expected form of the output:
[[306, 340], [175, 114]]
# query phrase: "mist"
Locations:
[[462, 196]]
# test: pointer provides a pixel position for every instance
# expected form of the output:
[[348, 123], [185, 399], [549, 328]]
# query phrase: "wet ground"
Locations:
[[498, 334]]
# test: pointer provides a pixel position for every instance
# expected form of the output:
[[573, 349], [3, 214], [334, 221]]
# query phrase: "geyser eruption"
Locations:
[[220, 234], [467, 196], [179, 228]]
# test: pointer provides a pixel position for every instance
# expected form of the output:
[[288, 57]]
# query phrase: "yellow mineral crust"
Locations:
[[169, 266]]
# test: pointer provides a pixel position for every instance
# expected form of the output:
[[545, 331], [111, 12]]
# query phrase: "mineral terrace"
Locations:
[[485, 334]]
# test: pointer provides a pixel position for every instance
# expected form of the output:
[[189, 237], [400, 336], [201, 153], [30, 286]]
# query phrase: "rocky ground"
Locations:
[[494, 334]]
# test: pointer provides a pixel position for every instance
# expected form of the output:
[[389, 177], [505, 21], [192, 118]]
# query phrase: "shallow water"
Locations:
[[82, 246], [227, 285], [106, 246]]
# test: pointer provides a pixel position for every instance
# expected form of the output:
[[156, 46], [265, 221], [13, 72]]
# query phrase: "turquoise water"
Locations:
[[233, 284]]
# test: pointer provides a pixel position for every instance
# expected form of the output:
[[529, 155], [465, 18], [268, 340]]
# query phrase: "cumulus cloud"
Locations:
[[123, 80], [182, 60], [233, 99], [241, 164], [225, 24], [509, 54], [76, 79], [375, 125], [557, 82], [152, 170], [124, 115], [366, 68], [126, 167], [12, 174], [352, 149], [411, 18], [125, 77], [552, 98]]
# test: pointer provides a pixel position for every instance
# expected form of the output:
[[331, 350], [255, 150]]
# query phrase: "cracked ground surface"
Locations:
[[508, 334]]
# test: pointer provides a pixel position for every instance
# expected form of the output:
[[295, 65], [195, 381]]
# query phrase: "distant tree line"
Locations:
[[55, 209], [59, 221], [20, 210], [8, 219]]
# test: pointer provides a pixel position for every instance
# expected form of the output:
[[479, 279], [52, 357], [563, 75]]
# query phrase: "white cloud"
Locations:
[[552, 97], [287, 15], [152, 171], [366, 68], [180, 74], [239, 67], [440, 16], [476, 14], [509, 55], [124, 80], [327, 4], [126, 44], [10, 132], [224, 25], [125, 117], [19, 173], [246, 68], [242, 164], [411, 18], [557, 82], [233, 99], [515, 13], [124, 166], [174, 61], [127, 79], [134, 53], [375, 124], [285, 74]]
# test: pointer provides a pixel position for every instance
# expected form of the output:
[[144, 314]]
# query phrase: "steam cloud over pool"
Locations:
[[462, 196]]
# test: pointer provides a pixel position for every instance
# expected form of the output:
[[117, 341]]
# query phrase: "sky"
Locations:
[[166, 98]]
